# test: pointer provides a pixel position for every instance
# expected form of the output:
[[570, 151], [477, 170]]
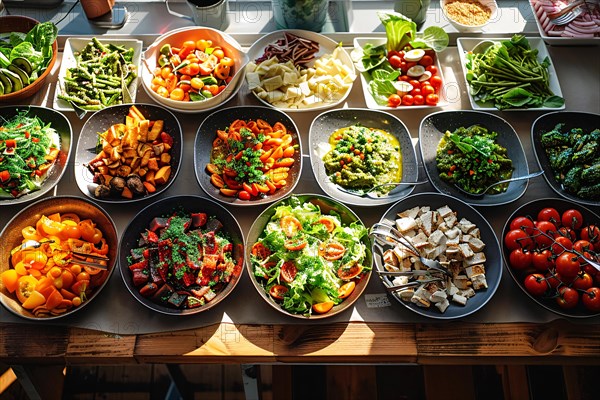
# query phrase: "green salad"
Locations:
[[28, 148], [308, 261], [471, 158]]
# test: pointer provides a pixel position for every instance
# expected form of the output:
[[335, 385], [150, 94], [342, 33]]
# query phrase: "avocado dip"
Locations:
[[361, 158]]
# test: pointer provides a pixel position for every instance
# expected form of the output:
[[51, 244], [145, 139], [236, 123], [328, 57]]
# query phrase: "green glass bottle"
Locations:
[[413, 9], [300, 14]]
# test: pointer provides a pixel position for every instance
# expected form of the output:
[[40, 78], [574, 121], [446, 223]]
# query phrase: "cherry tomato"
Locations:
[[432, 68], [567, 298], [295, 244], [416, 92], [407, 100], [561, 244], [432, 99], [426, 61], [395, 61], [415, 84], [536, 284], [520, 259], [394, 100], [542, 260], [346, 289], [427, 90], [436, 82], [522, 223], [582, 246], [244, 195], [347, 272], [517, 239], [405, 78], [572, 219], [566, 232], [583, 281], [260, 251], [591, 299], [549, 214], [332, 250], [419, 99], [278, 291], [288, 271], [290, 225], [545, 233], [553, 280], [395, 53], [567, 265], [591, 233]]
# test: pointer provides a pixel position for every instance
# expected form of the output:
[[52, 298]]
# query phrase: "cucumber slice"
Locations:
[[23, 64], [15, 80], [22, 74], [6, 83]]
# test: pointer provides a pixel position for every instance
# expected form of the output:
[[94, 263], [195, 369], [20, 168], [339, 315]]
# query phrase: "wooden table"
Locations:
[[40, 351]]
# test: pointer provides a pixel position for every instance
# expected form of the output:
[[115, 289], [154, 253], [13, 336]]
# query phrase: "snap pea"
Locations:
[[100, 77]]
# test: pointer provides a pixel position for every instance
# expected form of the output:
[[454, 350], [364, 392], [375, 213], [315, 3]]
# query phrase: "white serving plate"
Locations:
[[326, 46], [467, 44], [73, 45], [559, 40], [365, 79]]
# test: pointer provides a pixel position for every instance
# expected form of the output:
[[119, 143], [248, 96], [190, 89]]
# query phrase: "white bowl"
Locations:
[[176, 38], [491, 4]]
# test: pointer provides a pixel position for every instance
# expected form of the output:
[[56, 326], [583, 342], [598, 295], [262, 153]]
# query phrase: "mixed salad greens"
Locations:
[[309, 261], [385, 75], [25, 56], [509, 75], [28, 148], [471, 158]]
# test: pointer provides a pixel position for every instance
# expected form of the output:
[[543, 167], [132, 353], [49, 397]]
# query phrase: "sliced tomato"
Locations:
[[332, 250], [260, 251], [288, 271], [346, 289], [295, 244], [290, 225], [350, 271], [322, 308], [278, 292]]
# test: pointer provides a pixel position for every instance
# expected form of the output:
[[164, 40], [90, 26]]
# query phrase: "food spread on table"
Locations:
[[307, 260], [585, 25], [29, 148], [362, 157], [471, 159]]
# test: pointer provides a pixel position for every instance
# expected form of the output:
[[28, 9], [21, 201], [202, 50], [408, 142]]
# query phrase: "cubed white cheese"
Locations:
[[457, 298], [442, 305]]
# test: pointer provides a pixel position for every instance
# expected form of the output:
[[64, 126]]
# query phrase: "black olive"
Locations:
[[117, 184], [134, 182], [102, 191]]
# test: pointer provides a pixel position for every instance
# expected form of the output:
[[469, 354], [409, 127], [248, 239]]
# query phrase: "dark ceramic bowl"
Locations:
[[11, 237], [165, 207], [493, 264], [102, 120], [571, 119], [434, 126], [328, 122], [328, 206], [219, 120], [532, 209], [62, 125]]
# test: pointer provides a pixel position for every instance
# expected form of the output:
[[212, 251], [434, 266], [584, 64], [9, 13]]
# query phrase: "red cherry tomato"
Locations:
[[572, 219], [432, 99], [419, 99], [553, 280], [415, 84], [549, 214], [288, 271], [432, 68], [278, 291], [591, 233], [395, 61], [542, 260], [426, 61], [427, 90], [407, 100], [591, 299], [394, 100], [517, 239], [583, 281], [404, 78], [536, 284], [567, 265], [522, 223], [520, 259], [561, 244], [567, 297], [436, 82], [416, 92], [566, 232], [545, 233]]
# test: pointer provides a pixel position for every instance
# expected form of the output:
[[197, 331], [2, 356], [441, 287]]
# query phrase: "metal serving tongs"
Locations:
[[76, 257], [388, 234]]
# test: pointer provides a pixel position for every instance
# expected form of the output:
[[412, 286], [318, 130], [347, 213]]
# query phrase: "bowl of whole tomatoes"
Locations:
[[193, 69], [553, 254]]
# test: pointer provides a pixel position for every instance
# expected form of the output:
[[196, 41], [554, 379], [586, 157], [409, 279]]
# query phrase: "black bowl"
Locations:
[[165, 207], [432, 130], [493, 264], [571, 119], [328, 122], [531, 209], [62, 125], [99, 122], [219, 120]]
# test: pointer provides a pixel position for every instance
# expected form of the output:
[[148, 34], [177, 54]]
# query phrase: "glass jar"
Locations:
[[300, 14]]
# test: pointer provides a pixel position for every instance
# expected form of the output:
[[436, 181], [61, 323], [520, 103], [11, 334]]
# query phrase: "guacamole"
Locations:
[[470, 158], [361, 158]]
